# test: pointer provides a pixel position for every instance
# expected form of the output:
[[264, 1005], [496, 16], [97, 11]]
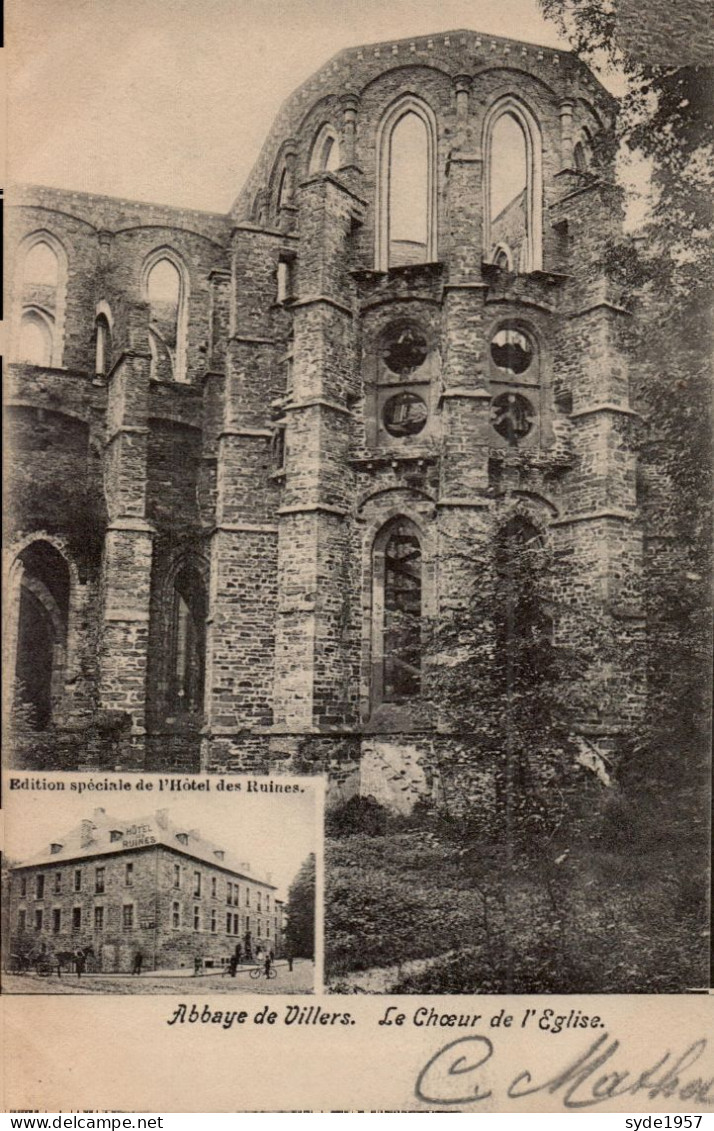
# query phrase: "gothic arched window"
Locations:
[[580, 158], [41, 266], [513, 185], [503, 258], [284, 190], [397, 612], [102, 345], [35, 345], [41, 630], [188, 643], [166, 292], [325, 155], [406, 218], [40, 311]]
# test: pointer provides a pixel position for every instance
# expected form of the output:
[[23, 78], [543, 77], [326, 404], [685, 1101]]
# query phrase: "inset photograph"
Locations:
[[152, 894]]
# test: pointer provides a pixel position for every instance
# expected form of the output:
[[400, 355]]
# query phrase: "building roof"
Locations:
[[104, 835]]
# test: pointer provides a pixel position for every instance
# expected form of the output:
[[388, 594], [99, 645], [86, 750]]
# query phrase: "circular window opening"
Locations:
[[405, 351], [404, 415], [512, 416], [511, 351]]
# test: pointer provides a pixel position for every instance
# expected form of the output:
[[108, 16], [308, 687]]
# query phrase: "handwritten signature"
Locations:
[[451, 1076]]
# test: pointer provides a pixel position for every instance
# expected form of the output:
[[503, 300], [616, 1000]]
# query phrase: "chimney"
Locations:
[[219, 853], [162, 818], [85, 834], [55, 847]]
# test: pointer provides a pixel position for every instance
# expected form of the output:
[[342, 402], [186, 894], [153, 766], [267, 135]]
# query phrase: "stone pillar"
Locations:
[[463, 505], [350, 106], [601, 523], [462, 90], [465, 396], [214, 391], [566, 135], [126, 581], [241, 614], [313, 657]]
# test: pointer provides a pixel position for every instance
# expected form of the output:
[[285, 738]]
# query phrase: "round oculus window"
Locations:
[[511, 351], [512, 416], [404, 414], [405, 351]]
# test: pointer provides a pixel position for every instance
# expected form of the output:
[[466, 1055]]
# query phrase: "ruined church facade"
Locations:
[[246, 445]]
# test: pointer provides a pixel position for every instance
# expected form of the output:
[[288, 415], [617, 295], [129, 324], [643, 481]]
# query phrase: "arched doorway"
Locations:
[[43, 589]]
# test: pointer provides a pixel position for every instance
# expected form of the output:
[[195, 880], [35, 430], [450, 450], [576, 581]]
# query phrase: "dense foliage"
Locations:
[[461, 915], [511, 687], [300, 930]]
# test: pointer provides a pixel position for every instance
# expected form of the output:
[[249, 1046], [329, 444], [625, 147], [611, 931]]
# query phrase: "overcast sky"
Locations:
[[273, 833], [170, 100]]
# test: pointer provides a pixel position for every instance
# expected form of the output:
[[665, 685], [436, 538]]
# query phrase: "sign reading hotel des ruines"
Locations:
[[138, 835]]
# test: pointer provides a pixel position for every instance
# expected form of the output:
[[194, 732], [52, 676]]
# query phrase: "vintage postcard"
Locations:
[[357, 558]]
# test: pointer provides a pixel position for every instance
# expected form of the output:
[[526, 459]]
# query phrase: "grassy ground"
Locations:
[[587, 917]]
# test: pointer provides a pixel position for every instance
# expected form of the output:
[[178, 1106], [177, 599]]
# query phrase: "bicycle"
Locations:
[[259, 972]]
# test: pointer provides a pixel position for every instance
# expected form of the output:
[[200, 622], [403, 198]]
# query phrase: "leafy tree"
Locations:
[[300, 930], [511, 687]]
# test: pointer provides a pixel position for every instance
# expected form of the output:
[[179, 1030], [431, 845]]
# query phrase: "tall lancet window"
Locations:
[[508, 207], [40, 313], [406, 185], [408, 203], [402, 613], [513, 187], [166, 294], [187, 652], [102, 345]]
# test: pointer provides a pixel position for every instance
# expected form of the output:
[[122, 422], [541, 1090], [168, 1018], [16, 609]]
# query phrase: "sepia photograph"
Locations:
[[358, 420], [136, 898]]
